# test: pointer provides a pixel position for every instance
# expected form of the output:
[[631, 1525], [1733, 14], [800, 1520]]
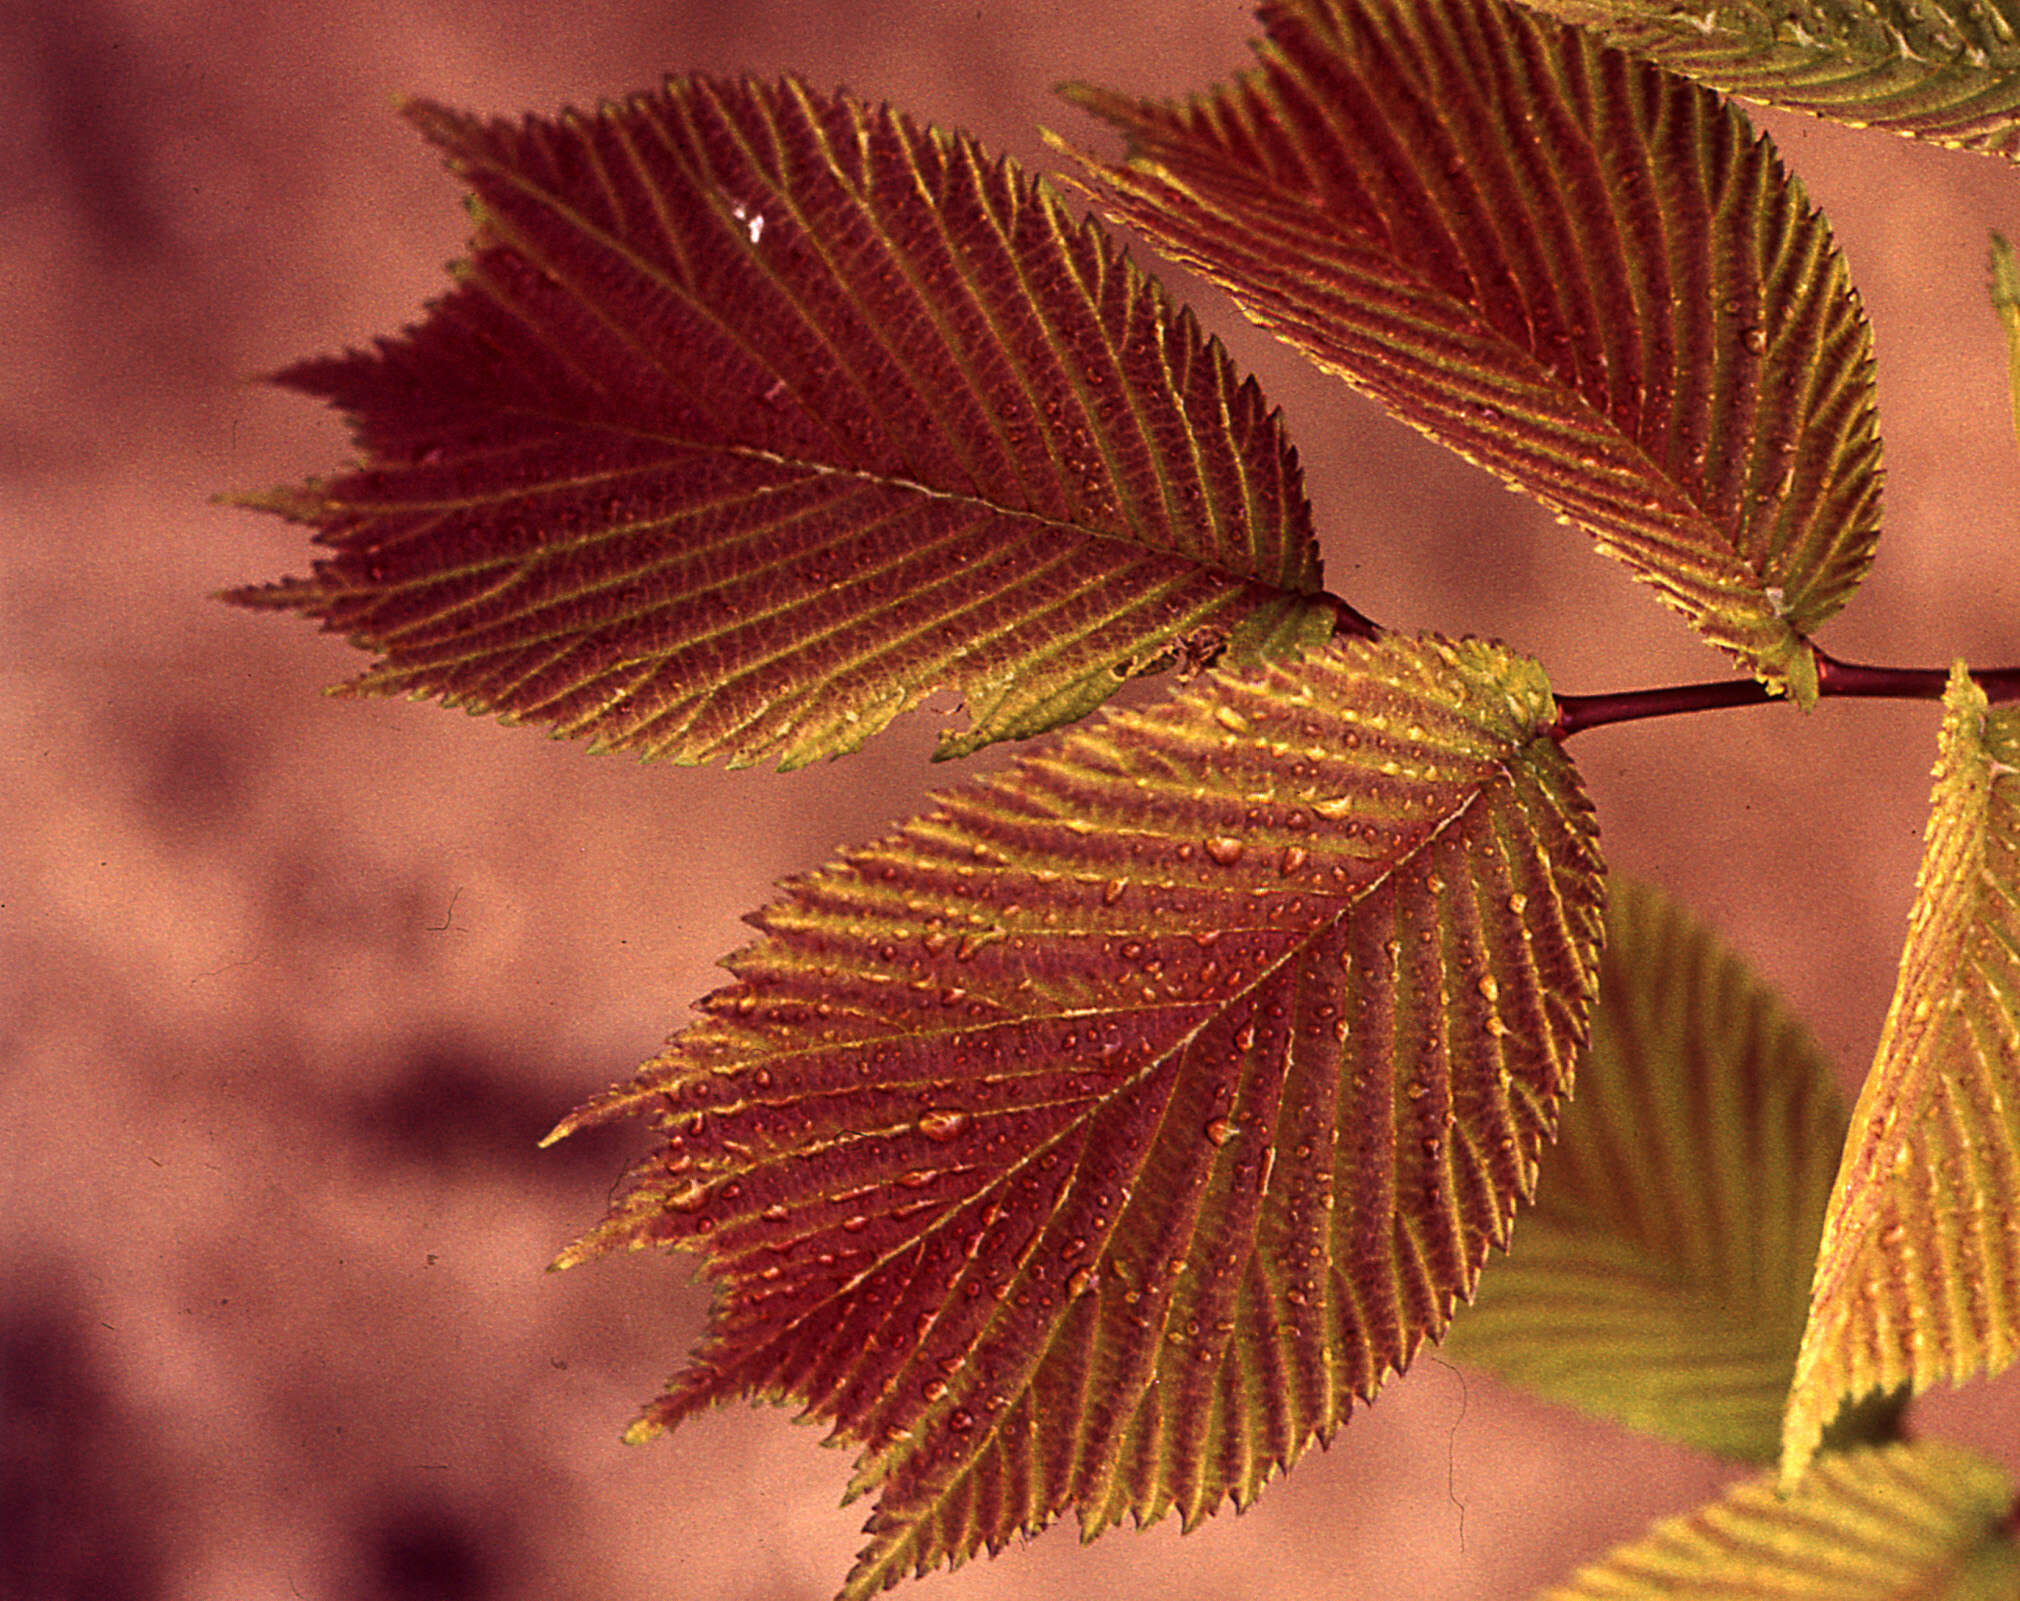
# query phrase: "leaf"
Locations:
[[2005, 291], [758, 416], [1574, 269], [1092, 1141], [1921, 1522], [1918, 1275], [1940, 70], [1662, 1277]]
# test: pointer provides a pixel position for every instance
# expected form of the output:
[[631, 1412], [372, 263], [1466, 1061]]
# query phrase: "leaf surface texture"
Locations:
[[1575, 269], [1662, 1276], [1940, 70], [1918, 1275], [759, 416], [1918, 1522], [1092, 1141]]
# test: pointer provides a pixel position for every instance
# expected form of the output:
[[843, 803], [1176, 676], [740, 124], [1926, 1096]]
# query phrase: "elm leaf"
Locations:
[[758, 416], [1939, 70], [1575, 269], [1926, 1521], [1918, 1275], [1662, 1276], [1092, 1141]]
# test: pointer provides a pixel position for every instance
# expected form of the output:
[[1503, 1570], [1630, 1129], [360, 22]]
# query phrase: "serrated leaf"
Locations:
[[1573, 268], [1662, 1277], [1922, 1522], [1943, 70], [1918, 1275], [1092, 1141], [758, 416]]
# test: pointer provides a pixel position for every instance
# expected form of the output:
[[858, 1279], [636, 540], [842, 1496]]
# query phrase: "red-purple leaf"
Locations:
[[758, 416], [1092, 1141], [1572, 267]]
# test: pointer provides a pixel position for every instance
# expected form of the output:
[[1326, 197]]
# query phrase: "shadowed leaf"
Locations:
[[1920, 1522], [1092, 1141], [1918, 1276], [759, 416], [1943, 70], [1662, 1277], [1570, 266]]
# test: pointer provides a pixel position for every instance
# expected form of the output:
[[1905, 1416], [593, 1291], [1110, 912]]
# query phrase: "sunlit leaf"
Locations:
[[1579, 271], [758, 416], [1092, 1141], [1942, 70], [1921, 1522], [1663, 1275], [1918, 1276]]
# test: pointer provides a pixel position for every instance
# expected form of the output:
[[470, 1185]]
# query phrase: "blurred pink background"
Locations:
[[290, 986]]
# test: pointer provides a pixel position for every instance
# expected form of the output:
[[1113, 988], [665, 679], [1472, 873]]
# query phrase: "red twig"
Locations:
[[1576, 713]]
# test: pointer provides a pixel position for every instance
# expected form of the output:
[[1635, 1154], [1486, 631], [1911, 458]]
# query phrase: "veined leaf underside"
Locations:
[[1943, 70], [1662, 1276], [1578, 270], [1091, 1142], [758, 416], [1918, 1275]]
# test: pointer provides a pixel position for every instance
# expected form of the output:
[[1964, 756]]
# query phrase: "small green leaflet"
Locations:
[[1918, 1276], [1943, 70], [1662, 1276], [758, 416], [1921, 1522], [1094, 1140], [1580, 271]]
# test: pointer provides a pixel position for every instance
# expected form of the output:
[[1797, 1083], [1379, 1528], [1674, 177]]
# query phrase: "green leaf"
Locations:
[[1920, 1522], [1573, 268], [1943, 70], [758, 416], [1092, 1141], [1662, 1277], [1918, 1276]]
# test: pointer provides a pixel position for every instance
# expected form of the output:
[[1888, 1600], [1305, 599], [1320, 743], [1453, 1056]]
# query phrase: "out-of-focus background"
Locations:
[[290, 986]]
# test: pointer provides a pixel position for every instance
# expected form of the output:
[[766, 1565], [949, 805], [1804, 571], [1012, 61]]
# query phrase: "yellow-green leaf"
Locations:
[[1921, 1522], [1583, 272], [1663, 1274], [1918, 1276], [1091, 1143], [1943, 70], [2005, 290]]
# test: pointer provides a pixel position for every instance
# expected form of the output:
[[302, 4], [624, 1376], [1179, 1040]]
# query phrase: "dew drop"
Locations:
[[1294, 857], [775, 1213], [1518, 903], [1224, 849], [1756, 340], [1221, 1130], [1081, 1282], [855, 1225], [934, 1389], [1111, 892], [961, 1420], [943, 1125], [690, 1195], [919, 1177], [1230, 719]]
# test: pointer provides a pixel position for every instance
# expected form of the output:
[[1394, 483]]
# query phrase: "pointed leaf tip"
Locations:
[[1376, 195], [1093, 1141], [758, 416], [1918, 1275]]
